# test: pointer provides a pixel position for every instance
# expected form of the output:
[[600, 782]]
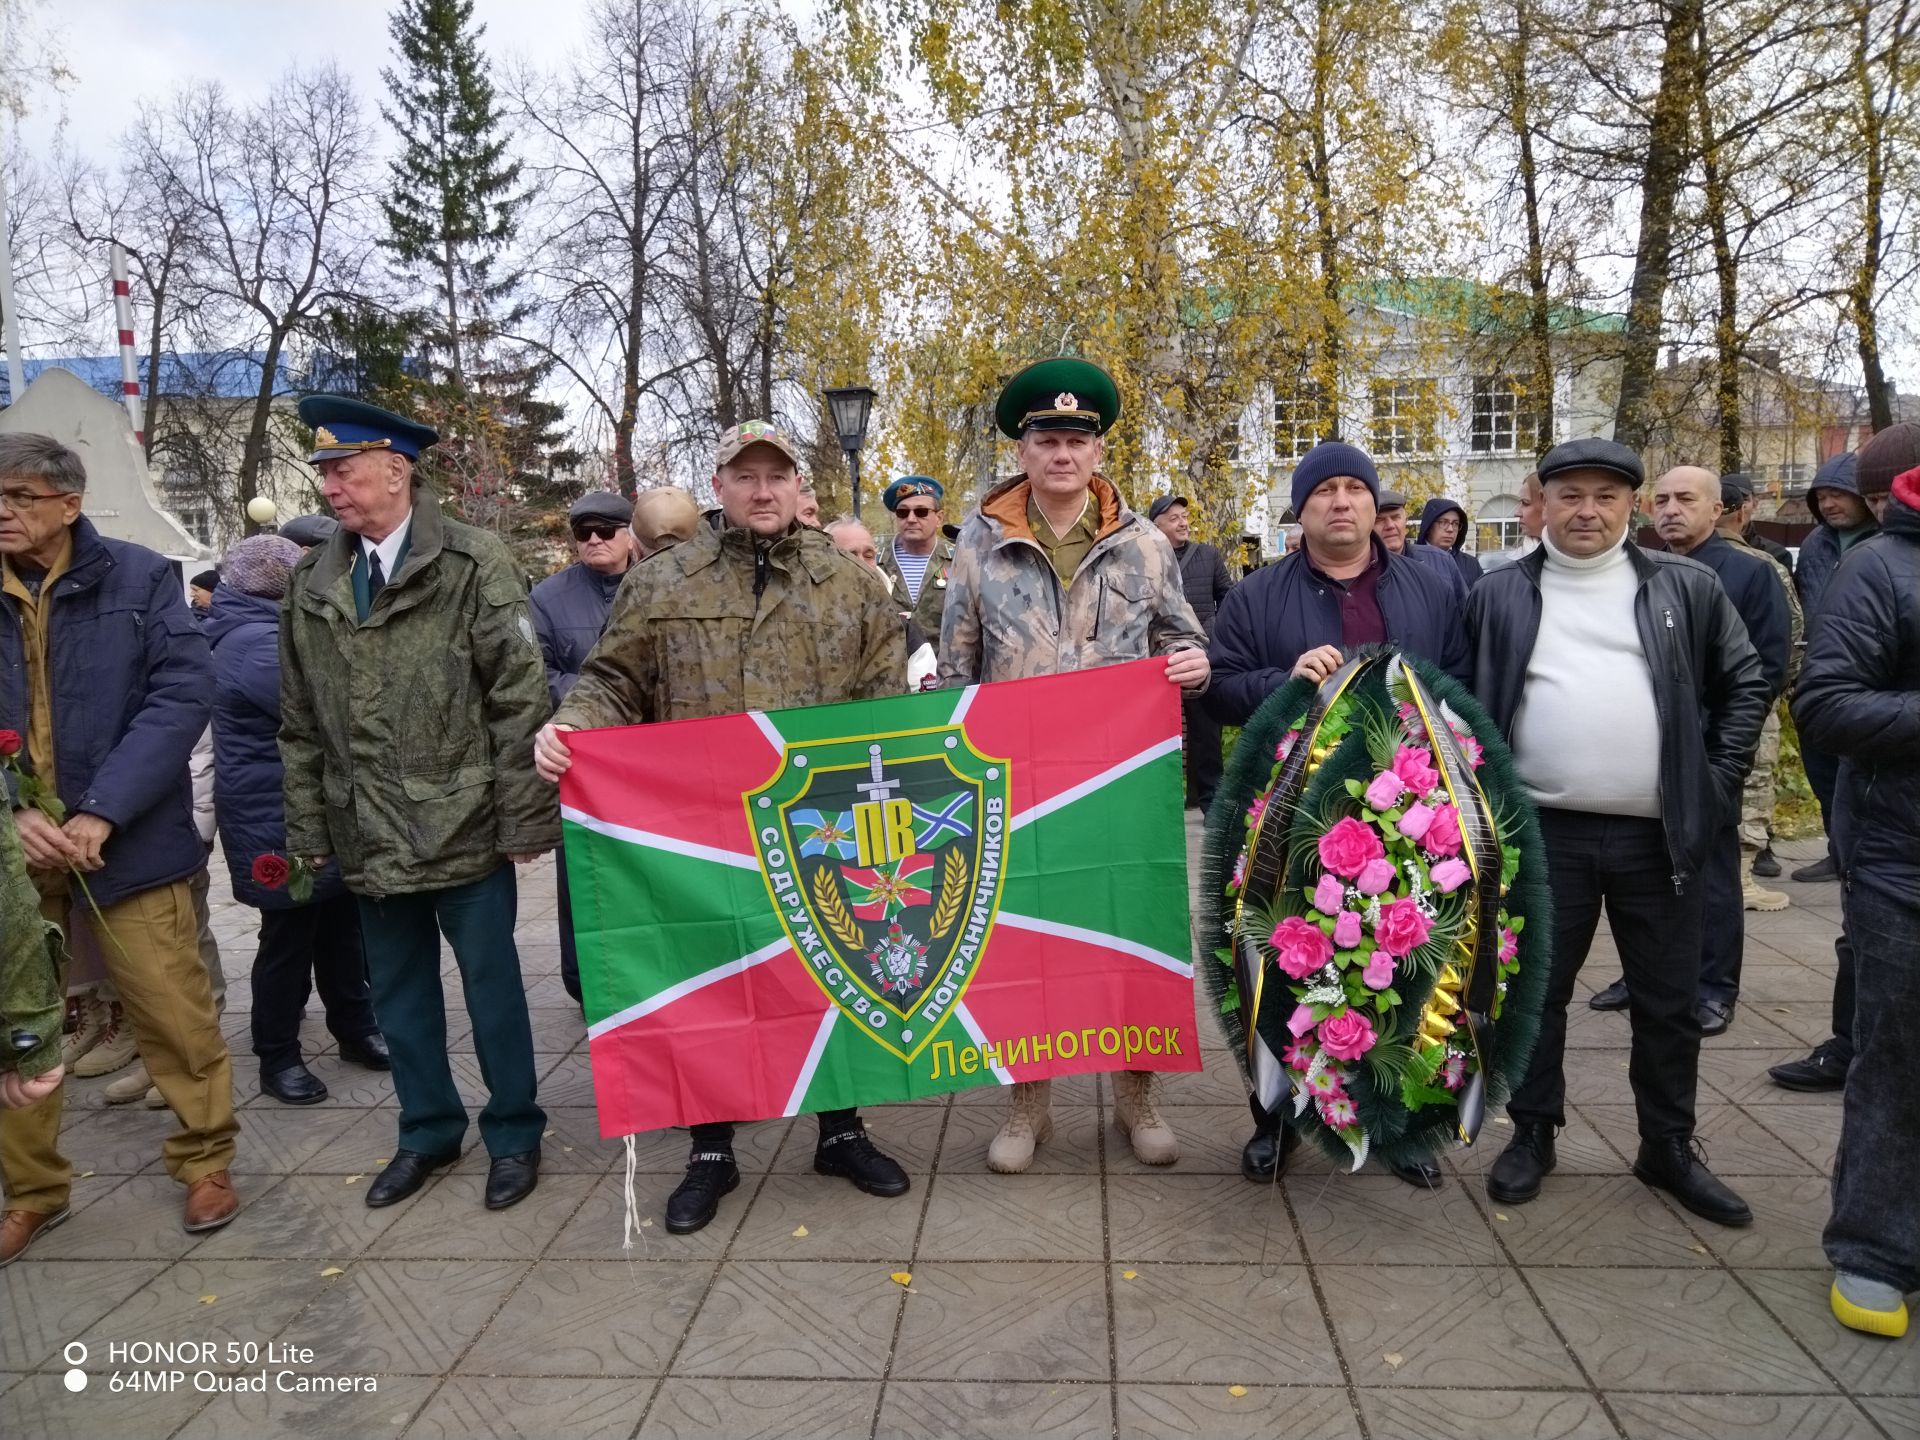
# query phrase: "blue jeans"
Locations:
[[1875, 1226]]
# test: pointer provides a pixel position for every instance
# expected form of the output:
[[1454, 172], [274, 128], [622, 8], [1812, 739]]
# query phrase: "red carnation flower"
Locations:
[[9, 742], [271, 871]]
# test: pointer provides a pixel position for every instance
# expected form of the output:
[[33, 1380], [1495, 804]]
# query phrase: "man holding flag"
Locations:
[[757, 612], [1055, 573]]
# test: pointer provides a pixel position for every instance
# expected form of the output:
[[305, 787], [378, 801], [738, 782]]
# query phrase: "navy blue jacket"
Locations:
[[247, 802], [1442, 565], [1281, 611], [570, 610], [1754, 587], [1859, 698], [1469, 567], [132, 691]]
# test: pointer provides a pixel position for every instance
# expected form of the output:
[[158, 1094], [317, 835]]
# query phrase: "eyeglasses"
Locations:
[[20, 499], [584, 533], [914, 512]]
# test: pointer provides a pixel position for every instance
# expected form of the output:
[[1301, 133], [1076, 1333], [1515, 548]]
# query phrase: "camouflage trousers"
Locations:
[[1756, 797]]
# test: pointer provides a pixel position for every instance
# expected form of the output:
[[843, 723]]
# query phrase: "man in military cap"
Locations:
[[570, 610], [754, 612], [919, 556], [411, 690], [1053, 572]]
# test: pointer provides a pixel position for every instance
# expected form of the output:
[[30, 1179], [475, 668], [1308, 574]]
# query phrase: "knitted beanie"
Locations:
[[1894, 450], [260, 565], [1326, 460]]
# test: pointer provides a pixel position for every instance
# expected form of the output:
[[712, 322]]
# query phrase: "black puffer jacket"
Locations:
[[1708, 686], [1203, 575], [1859, 698]]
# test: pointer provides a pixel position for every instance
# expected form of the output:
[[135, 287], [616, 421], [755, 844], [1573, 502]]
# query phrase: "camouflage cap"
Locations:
[[749, 433]]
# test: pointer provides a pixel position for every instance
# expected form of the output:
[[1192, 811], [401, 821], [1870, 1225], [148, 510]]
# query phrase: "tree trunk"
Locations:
[[1539, 298], [1333, 329], [1661, 177], [254, 453], [1865, 284]]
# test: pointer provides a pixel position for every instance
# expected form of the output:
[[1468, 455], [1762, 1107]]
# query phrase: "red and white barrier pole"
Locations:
[[123, 315]]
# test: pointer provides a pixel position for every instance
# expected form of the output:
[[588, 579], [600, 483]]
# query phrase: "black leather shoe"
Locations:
[[1528, 1159], [1821, 869], [695, 1200], [511, 1178], [295, 1085], [1678, 1166], [853, 1156], [369, 1050], [1421, 1174], [1714, 1017], [1614, 997], [1824, 1070], [405, 1173], [1766, 864], [1264, 1157]]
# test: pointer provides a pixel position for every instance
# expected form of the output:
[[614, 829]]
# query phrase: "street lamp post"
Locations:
[[852, 406]]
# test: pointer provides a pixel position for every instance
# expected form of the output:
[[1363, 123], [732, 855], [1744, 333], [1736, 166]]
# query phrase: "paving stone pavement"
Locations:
[[1090, 1297]]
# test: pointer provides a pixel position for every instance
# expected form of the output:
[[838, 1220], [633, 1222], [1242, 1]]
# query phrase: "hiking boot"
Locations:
[[1754, 896], [1678, 1165], [129, 1087], [1528, 1159], [696, 1199], [87, 1016], [1823, 1071], [116, 1049], [852, 1155], [1029, 1123], [1136, 1117]]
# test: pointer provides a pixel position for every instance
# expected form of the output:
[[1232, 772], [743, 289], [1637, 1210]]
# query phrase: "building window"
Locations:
[[1297, 420], [1230, 449], [1499, 524], [1795, 474], [1403, 416], [1503, 421]]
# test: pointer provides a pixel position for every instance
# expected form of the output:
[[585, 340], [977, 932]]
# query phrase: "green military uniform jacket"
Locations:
[[32, 999], [408, 738], [925, 612], [725, 623]]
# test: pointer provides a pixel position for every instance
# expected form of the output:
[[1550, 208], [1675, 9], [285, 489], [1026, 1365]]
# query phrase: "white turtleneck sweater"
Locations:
[[1587, 735]]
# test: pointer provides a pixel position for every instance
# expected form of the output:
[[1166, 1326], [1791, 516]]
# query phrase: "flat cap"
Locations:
[[1893, 451], [1736, 489], [307, 531], [1591, 453], [1390, 500], [601, 505], [1163, 503]]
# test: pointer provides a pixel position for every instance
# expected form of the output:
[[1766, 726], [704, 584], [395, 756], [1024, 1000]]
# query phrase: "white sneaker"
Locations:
[[115, 1051]]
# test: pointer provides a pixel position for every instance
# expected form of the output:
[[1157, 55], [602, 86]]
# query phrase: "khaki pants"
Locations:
[[1756, 797], [153, 959]]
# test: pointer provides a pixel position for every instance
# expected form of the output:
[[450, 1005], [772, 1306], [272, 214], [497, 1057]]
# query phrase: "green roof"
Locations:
[[1484, 309]]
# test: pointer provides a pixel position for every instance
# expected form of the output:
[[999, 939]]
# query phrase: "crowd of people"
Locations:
[[385, 709]]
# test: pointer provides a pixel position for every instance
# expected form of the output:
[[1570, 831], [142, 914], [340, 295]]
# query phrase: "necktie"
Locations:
[[376, 580]]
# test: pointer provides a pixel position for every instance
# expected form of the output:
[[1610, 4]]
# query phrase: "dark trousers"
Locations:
[[306, 948], [1843, 993], [1823, 778], [403, 953], [569, 957], [1724, 941], [1203, 753], [718, 1135], [1621, 863], [1875, 1226]]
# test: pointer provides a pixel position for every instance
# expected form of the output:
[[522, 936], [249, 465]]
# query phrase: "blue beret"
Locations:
[[345, 426], [1328, 459], [908, 485]]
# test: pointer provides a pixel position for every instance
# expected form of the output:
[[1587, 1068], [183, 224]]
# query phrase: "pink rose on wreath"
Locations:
[[1339, 1114], [1416, 820], [1414, 765], [1346, 930], [1301, 1021], [1297, 1056], [1301, 948], [1349, 845], [1509, 943], [1347, 1035], [1329, 895], [1443, 835], [1449, 875], [1386, 788], [1375, 876], [1402, 928], [1379, 972]]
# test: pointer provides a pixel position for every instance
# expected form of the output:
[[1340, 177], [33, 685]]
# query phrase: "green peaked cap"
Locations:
[[1059, 394]]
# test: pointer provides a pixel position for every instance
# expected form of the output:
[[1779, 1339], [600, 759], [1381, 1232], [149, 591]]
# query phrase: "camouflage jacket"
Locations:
[[1796, 615], [724, 623], [32, 999], [408, 740], [927, 610], [1008, 616]]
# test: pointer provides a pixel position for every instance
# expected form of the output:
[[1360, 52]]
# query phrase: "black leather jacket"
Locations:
[[1708, 687]]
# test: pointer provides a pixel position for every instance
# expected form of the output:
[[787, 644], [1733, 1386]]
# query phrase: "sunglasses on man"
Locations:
[[602, 531], [914, 512]]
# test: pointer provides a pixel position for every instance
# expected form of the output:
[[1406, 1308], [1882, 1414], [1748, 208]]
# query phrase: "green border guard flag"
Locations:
[[800, 910]]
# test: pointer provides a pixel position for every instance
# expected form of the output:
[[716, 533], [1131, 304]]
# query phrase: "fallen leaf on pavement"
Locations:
[[1394, 1360], [331, 1270], [208, 1299], [1236, 1391], [1129, 1274], [800, 1232], [901, 1277]]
